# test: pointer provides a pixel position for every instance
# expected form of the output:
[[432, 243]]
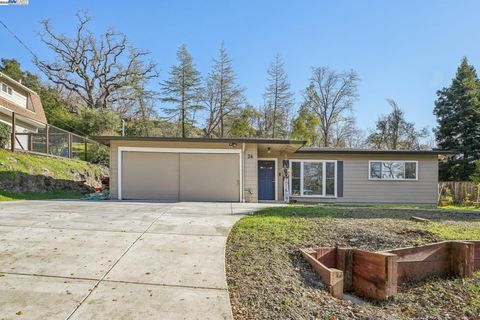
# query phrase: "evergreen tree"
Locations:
[[457, 109], [182, 89], [306, 125], [278, 101], [222, 95], [11, 68], [243, 123]]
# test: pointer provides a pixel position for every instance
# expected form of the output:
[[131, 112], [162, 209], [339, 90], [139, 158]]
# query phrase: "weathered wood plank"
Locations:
[[332, 277], [439, 251], [416, 270], [374, 274], [327, 256], [462, 258], [476, 264], [345, 263]]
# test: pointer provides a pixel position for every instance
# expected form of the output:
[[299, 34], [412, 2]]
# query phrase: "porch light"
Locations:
[[269, 150]]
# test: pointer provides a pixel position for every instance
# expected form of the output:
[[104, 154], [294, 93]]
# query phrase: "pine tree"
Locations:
[[457, 109], [182, 89], [243, 124], [278, 101], [222, 95]]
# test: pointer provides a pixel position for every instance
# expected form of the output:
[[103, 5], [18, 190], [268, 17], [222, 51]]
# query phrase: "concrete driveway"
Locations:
[[115, 260]]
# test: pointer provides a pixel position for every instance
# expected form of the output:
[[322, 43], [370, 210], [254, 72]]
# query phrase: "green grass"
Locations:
[[11, 196], [454, 207], [455, 230], [58, 168], [396, 206], [269, 240], [360, 205]]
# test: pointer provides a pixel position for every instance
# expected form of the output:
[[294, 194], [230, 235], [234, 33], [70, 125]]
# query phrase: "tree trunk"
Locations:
[[275, 108], [183, 104], [221, 105]]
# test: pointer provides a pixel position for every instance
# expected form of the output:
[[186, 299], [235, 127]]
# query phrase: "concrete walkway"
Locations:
[[115, 260]]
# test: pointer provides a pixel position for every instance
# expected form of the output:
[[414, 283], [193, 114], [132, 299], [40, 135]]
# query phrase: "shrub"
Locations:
[[5, 134], [98, 154], [468, 200]]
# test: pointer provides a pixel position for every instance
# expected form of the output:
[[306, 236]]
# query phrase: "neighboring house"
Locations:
[[252, 170], [27, 106]]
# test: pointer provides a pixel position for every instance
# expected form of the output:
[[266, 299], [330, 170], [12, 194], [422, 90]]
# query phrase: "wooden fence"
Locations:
[[460, 190]]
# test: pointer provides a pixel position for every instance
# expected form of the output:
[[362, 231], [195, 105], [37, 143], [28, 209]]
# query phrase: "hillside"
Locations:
[[30, 176]]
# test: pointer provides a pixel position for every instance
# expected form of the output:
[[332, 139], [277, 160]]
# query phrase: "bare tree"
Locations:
[[334, 97], [94, 69], [278, 101], [346, 134], [222, 95], [392, 131]]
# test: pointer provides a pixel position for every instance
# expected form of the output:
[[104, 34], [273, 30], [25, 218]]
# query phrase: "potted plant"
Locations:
[[446, 198]]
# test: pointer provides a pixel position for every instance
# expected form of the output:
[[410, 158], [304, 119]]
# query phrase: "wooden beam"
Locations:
[[327, 256], [85, 141], [374, 274], [416, 263], [14, 133], [332, 277], [47, 139], [70, 153], [345, 263], [462, 258], [30, 141], [476, 264]]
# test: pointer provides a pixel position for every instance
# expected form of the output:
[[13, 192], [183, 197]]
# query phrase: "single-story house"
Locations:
[[252, 170], [15, 98]]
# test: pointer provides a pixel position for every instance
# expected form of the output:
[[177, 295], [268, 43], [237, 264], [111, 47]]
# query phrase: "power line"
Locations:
[[19, 40], [74, 130]]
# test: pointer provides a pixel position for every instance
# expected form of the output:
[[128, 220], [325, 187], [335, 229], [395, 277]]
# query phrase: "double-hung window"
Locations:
[[313, 178], [393, 170]]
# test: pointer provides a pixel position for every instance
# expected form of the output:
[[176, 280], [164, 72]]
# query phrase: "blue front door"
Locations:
[[266, 180]]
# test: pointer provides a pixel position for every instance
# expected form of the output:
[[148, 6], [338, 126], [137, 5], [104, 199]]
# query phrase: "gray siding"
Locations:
[[357, 188], [249, 173]]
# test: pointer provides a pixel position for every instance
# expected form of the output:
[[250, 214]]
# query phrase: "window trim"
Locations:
[[8, 88], [389, 179], [324, 179]]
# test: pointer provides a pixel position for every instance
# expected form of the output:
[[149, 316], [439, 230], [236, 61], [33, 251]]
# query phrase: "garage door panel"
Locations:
[[150, 175], [209, 177]]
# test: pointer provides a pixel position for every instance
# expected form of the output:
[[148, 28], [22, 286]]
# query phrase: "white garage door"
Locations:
[[180, 176]]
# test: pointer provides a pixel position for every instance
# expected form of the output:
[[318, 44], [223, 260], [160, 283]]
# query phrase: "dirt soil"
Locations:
[[269, 279]]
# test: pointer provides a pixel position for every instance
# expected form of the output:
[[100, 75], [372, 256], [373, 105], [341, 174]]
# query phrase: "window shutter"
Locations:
[[339, 179]]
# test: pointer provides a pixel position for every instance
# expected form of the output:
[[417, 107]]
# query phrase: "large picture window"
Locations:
[[313, 178], [393, 170]]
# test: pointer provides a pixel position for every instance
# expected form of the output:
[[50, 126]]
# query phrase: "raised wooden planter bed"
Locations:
[[376, 274]]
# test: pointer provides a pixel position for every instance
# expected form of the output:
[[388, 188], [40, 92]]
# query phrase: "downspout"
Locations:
[[243, 172]]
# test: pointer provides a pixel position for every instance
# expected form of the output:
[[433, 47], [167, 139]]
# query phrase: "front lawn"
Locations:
[[268, 279], [10, 196]]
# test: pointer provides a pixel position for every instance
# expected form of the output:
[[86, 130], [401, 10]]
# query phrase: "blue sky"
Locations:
[[404, 50]]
